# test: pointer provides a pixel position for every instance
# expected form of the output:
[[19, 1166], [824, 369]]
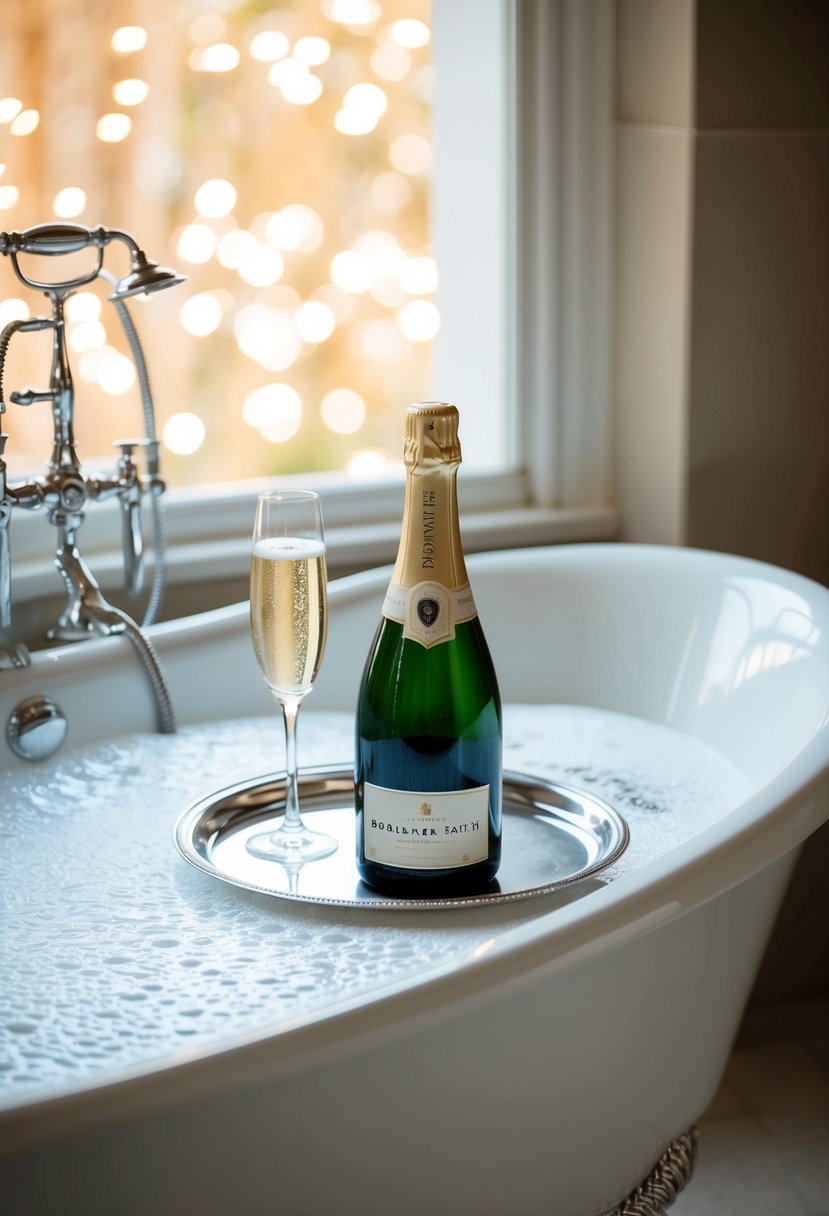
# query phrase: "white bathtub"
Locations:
[[542, 1060]]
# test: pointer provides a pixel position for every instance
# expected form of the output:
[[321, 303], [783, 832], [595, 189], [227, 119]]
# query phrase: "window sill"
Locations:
[[208, 562]]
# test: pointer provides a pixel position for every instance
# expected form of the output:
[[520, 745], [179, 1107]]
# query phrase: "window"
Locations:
[[281, 158], [518, 122]]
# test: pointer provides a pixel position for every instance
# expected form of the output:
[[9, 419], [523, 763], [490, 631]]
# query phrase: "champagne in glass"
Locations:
[[288, 621]]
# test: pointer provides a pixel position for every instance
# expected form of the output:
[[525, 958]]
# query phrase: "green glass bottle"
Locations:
[[428, 733]]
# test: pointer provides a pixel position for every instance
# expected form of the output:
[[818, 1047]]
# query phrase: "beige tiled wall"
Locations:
[[722, 276], [758, 476], [653, 201]]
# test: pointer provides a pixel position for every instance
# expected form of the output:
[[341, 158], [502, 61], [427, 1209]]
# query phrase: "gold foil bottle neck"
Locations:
[[431, 435]]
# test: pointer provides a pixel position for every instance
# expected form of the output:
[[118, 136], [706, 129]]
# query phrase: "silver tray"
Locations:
[[554, 836]]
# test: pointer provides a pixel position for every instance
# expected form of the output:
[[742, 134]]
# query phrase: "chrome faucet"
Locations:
[[65, 490]]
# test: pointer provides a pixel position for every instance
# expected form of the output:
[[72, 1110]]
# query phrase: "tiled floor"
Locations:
[[764, 1142]]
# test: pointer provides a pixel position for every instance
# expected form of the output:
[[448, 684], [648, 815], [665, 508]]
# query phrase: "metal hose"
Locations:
[[152, 664]]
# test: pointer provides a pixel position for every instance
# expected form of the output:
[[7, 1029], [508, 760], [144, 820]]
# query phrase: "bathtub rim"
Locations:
[[771, 823]]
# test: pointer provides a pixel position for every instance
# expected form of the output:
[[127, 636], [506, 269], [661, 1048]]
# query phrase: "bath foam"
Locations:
[[117, 955]]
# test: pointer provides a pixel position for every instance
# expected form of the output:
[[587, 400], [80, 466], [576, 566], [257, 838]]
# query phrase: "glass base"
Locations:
[[287, 845]]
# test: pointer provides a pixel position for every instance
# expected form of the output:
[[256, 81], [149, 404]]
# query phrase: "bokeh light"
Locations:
[[351, 271], [343, 411], [411, 154], [353, 13], [267, 336], [314, 321], [219, 57], [184, 433], [112, 128], [215, 198], [196, 243], [279, 157], [25, 122], [129, 38], [275, 410], [313, 51], [10, 107], [269, 45], [86, 335], [201, 314], [367, 463], [409, 32], [419, 320], [130, 92], [115, 373], [13, 309], [83, 306], [69, 202], [295, 227]]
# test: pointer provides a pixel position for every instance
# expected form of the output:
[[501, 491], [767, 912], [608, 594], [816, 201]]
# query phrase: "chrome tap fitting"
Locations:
[[64, 488]]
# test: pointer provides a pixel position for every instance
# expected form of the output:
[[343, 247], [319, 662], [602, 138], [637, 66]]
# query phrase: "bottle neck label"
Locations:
[[429, 612], [430, 542]]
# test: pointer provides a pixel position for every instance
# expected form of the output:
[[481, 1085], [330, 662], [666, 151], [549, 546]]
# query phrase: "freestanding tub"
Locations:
[[536, 1060]]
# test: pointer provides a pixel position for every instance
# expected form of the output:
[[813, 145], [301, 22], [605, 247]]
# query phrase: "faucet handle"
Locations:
[[28, 396], [132, 536]]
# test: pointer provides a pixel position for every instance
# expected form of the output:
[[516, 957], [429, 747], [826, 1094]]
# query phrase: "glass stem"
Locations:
[[292, 822]]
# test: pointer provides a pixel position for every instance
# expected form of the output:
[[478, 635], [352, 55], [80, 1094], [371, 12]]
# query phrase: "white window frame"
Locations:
[[549, 391]]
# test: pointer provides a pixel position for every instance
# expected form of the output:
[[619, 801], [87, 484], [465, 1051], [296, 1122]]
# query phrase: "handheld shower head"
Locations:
[[55, 239], [145, 276]]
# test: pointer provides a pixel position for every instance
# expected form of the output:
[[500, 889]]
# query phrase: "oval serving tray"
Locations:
[[554, 836]]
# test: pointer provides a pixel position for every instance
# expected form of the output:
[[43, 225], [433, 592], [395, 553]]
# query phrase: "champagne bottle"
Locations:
[[428, 730]]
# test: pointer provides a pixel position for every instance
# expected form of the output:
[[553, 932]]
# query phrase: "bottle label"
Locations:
[[429, 612], [443, 831]]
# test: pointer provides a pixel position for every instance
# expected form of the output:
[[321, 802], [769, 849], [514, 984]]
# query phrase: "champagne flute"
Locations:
[[288, 622]]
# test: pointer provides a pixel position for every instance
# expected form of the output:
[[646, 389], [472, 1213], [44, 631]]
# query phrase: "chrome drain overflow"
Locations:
[[36, 729]]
